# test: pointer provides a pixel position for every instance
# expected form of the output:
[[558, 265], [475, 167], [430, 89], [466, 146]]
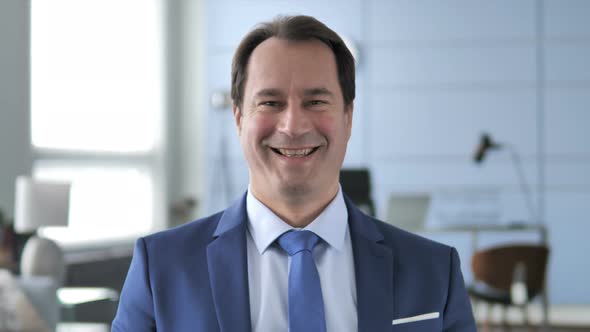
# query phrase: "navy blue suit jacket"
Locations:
[[195, 278]]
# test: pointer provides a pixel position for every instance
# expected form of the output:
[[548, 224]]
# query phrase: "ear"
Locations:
[[237, 117], [348, 111]]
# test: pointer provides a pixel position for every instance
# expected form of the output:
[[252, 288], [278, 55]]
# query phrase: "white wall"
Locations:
[[15, 156], [186, 103]]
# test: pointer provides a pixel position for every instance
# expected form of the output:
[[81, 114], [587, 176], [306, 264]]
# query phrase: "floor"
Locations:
[[523, 329]]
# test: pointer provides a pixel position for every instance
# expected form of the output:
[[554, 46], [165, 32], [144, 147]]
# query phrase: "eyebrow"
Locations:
[[318, 92], [268, 93]]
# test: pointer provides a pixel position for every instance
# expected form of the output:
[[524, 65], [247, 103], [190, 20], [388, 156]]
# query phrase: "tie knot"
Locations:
[[295, 241]]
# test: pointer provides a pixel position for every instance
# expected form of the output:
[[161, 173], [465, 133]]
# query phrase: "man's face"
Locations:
[[293, 124]]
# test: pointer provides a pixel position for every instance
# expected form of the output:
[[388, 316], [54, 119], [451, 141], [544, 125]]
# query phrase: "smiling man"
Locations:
[[294, 125], [293, 254]]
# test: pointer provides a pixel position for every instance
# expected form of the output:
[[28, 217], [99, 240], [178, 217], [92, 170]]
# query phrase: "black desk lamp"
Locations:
[[486, 143]]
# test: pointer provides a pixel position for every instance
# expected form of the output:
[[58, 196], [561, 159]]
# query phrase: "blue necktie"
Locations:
[[306, 305]]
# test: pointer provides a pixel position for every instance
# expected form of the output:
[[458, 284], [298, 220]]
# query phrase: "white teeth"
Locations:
[[295, 153]]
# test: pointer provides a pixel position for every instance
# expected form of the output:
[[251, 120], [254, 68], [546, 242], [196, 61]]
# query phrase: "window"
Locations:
[[97, 112]]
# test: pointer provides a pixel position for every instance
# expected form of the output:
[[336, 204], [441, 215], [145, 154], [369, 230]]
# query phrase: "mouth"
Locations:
[[295, 153]]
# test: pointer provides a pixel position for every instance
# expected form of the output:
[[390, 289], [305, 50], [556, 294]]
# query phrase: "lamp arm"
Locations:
[[522, 179]]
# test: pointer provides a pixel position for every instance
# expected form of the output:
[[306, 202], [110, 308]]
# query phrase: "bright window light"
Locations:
[[97, 112], [106, 202], [96, 74]]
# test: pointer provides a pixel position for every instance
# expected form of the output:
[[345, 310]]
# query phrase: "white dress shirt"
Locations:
[[268, 267]]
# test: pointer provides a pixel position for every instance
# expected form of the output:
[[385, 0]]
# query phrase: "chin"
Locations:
[[295, 190]]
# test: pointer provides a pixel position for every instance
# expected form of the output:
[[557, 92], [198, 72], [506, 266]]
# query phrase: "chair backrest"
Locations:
[[42, 293], [356, 184], [43, 257], [496, 266], [408, 210]]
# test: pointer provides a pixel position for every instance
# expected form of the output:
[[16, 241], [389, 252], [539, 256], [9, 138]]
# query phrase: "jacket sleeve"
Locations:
[[136, 308], [458, 315]]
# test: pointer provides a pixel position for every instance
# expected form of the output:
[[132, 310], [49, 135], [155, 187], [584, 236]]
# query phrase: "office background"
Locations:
[[432, 76]]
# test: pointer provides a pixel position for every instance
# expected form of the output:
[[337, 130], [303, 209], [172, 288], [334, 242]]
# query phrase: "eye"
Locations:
[[316, 102], [269, 103]]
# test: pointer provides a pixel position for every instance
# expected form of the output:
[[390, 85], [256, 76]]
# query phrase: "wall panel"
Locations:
[[229, 20], [451, 67], [567, 18], [440, 123], [568, 64], [567, 119], [456, 20], [569, 226]]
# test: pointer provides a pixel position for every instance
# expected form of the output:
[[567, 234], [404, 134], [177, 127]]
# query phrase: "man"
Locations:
[[293, 254]]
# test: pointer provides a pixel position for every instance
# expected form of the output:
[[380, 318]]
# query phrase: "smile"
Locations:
[[295, 153]]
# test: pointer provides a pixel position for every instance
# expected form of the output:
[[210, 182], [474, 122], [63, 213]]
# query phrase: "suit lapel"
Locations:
[[373, 270], [228, 270]]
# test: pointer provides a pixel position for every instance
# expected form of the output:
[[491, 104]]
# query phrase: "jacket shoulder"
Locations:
[[195, 233], [402, 241]]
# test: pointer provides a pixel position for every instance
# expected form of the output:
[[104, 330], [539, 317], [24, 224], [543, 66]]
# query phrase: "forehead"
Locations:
[[291, 66]]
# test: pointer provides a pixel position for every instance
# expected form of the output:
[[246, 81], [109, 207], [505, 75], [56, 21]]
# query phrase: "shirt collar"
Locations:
[[265, 226]]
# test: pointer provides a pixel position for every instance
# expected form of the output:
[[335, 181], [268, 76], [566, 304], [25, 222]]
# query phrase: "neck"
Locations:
[[300, 211]]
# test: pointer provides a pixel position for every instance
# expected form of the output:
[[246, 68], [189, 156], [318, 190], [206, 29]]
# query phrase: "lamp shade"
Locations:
[[40, 203], [485, 143]]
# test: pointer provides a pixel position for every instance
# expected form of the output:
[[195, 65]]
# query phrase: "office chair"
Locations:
[[42, 266], [510, 275], [356, 184]]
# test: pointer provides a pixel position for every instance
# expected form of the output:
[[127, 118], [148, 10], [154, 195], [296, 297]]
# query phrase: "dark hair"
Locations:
[[293, 28]]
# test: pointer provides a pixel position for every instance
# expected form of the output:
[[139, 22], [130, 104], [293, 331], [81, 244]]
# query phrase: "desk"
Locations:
[[74, 298], [16, 311], [83, 327], [476, 229]]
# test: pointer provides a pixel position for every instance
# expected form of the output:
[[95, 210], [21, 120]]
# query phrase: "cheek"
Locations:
[[257, 128], [332, 127]]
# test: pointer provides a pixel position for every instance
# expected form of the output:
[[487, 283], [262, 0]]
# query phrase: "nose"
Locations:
[[294, 121]]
